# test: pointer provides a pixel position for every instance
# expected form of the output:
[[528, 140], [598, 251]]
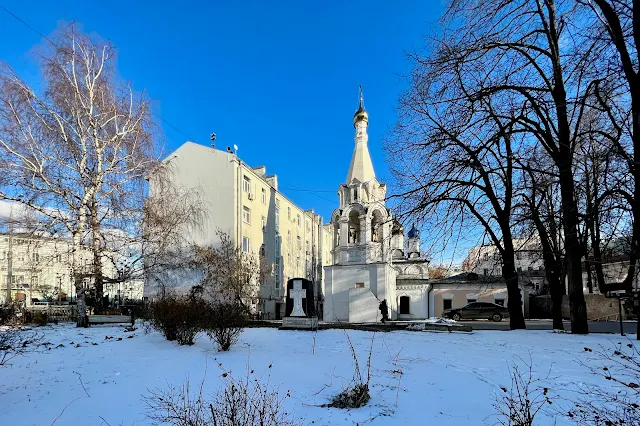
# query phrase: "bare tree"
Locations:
[[531, 56], [230, 273], [74, 152], [455, 164]]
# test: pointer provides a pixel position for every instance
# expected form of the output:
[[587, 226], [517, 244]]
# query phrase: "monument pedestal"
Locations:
[[300, 316], [299, 323]]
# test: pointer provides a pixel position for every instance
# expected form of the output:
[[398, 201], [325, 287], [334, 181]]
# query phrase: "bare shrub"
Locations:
[[179, 318], [357, 393], [619, 402], [224, 323], [15, 341], [519, 405], [245, 401], [7, 314]]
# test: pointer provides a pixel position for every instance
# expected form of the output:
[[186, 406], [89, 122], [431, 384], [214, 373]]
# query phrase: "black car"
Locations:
[[477, 310]]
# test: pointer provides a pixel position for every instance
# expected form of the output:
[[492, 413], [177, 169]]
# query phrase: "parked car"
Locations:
[[477, 310]]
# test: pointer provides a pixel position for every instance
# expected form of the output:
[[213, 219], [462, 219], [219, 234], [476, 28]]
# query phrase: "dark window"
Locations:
[[359, 285], [486, 272], [404, 304], [500, 302], [446, 304], [471, 303]]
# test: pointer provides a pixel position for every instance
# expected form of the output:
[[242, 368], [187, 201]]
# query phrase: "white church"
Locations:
[[371, 261]]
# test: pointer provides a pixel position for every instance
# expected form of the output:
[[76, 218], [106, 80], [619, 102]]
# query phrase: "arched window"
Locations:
[[404, 305], [354, 227]]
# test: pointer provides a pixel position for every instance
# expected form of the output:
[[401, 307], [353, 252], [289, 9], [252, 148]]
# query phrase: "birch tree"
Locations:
[[73, 150]]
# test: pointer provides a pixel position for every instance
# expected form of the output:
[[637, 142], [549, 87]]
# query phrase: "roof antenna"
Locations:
[[213, 140]]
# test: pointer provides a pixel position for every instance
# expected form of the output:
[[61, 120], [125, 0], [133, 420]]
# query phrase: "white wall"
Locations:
[[363, 306], [378, 279]]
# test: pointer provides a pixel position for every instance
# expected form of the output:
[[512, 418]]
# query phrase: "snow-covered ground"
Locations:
[[447, 379]]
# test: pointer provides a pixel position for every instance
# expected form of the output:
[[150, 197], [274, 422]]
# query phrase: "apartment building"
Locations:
[[245, 202]]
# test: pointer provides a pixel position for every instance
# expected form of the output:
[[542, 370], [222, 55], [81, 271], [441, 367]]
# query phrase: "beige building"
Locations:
[[245, 202], [40, 271]]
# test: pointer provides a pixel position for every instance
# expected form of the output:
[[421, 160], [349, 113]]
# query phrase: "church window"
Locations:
[[246, 244], [246, 215], [246, 184], [355, 194], [446, 304], [404, 305], [359, 285], [264, 196]]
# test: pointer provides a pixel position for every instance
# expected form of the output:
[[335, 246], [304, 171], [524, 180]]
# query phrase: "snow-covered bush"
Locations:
[[245, 401], [224, 323]]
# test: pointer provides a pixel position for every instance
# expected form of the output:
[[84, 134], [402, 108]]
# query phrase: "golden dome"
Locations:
[[361, 114]]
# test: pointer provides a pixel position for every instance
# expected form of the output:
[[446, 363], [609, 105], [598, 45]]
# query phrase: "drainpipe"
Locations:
[[429, 301]]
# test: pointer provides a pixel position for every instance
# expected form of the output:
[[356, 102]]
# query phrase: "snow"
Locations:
[[448, 379]]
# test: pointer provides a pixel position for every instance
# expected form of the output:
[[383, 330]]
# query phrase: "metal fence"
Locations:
[[55, 313]]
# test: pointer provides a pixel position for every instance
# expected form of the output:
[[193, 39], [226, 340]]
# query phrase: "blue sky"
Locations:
[[277, 78]]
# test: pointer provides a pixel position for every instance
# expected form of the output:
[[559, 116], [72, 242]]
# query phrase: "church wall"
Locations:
[[377, 278], [417, 294], [363, 306]]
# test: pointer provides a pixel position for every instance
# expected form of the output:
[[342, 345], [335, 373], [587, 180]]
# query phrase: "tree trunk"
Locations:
[[573, 248], [516, 316], [98, 279]]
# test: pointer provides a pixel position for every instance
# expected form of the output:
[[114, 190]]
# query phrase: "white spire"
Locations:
[[361, 167]]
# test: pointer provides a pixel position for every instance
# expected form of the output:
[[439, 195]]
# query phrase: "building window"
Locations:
[[58, 258], [264, 196], [263, 223], [485, 256], [35, 256], [355, 194], [446, 304], [262, 251], [246, 184], [486, 272], [404, 305], [34, 281], [518, 256], [299, 220], [297, 261], [289, 237], [299, 241], [246, 215], [359, 285], [308, 226], [289, 213], [246, 244], [500, 302], [277, 219]]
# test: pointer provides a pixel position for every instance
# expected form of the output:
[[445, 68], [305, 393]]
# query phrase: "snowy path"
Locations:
[[448, 379]]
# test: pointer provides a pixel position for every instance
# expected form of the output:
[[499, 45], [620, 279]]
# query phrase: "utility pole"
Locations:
[[10, 258]]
